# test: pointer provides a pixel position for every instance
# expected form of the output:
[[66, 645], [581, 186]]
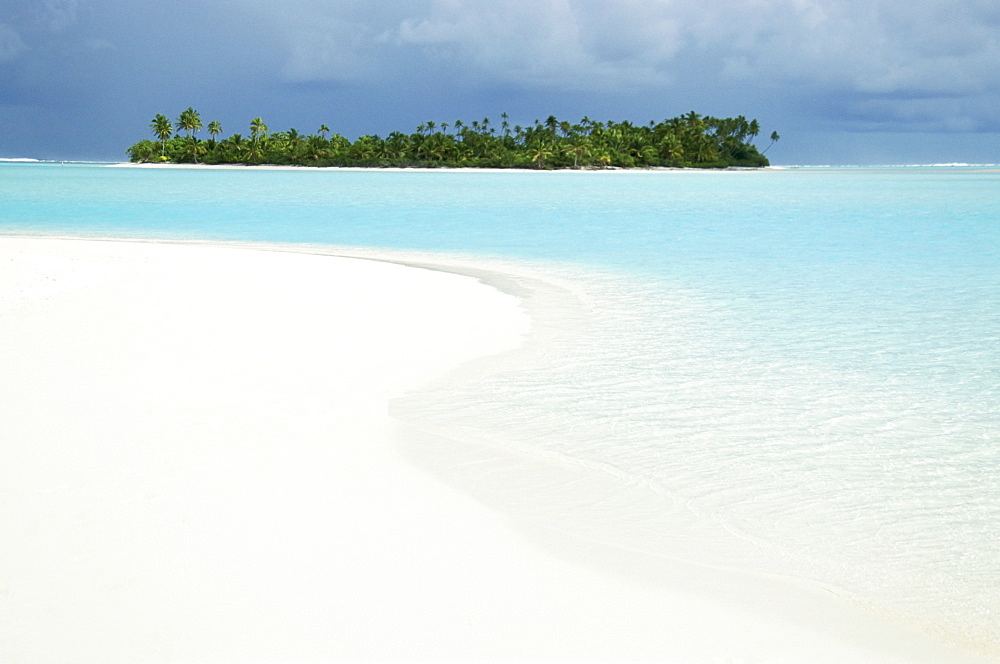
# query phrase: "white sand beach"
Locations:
[[416, 169], [197, 464]]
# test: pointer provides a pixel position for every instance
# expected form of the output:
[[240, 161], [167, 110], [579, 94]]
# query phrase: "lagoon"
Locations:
[[788, 372]]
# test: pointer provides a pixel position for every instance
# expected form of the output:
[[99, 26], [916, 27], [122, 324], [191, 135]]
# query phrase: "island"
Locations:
[[687, 141]]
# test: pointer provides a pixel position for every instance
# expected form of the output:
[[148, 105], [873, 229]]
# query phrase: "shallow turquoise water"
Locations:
[[802, 366]]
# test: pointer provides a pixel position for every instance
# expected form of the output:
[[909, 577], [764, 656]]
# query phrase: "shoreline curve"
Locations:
[[201, 464]]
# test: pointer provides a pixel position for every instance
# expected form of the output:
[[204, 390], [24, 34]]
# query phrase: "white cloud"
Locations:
[[57, 15], [878, 46], [546, 43], [11, 43], [317, 40], [875, 51], [340, 51]]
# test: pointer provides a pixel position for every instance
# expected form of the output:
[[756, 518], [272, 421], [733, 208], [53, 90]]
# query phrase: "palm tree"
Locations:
[[233, 148], [316, 148], [672, 149], [704, 150], [338, 146], [774, 139], [189, 121], [214, 128], [690, 139], [396, 145], [193, 148], [438, 147], [366, 149], [539, 151], [163, 129], [258, 131], [254, 154], [578, 146]]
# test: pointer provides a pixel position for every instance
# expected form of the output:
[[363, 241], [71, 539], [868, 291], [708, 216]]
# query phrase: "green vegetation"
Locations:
[[690, 140]]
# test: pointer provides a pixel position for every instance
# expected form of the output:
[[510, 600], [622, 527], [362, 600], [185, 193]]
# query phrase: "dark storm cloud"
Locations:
[[831, 67]]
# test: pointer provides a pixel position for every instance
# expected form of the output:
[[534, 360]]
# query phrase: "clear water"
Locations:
[[801, 368]]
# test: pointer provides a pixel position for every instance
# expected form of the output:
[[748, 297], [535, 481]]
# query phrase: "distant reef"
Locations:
[[687, 141]]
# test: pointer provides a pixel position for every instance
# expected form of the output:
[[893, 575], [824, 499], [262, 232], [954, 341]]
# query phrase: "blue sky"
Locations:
[[842, 81]]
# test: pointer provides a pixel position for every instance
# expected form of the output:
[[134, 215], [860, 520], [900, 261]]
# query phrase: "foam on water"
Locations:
[[787, 372]]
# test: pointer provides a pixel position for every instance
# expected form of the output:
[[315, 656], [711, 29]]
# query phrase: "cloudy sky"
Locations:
[[842, 81]]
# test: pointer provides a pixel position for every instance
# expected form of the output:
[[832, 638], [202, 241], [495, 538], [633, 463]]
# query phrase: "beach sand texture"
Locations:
[[198, 465]]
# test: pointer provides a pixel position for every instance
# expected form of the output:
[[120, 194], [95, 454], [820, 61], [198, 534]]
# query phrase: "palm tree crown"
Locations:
[[189, 121], [163, 129], [214, 128]]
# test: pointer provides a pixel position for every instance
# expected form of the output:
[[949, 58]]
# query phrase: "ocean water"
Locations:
[[793, 372]]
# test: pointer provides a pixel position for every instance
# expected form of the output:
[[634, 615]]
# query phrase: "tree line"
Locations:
[[689, 140]]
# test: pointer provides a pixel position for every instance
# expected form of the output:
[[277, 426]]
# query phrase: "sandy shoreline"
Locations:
[[199, 464], [448, 169]]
